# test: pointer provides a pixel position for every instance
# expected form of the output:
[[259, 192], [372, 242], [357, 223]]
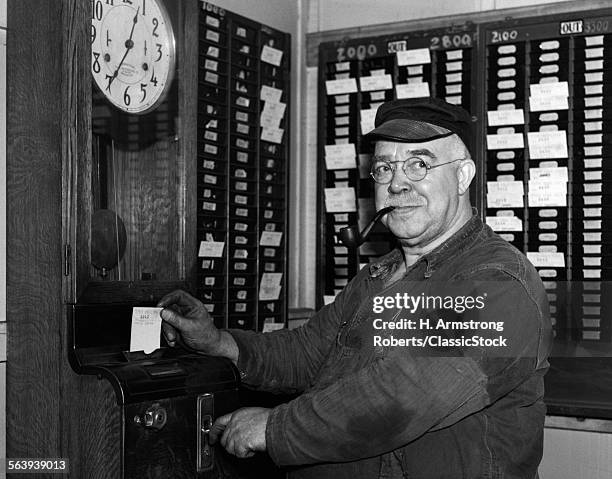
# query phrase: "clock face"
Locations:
[[132, 52]]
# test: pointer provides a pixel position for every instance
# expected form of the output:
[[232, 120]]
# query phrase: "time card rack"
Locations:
[[548, 154], [243, 159], [548, 139], [356, 76], [541, 91]]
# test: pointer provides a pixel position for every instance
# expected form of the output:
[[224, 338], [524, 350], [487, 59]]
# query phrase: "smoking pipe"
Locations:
[[350, 235]]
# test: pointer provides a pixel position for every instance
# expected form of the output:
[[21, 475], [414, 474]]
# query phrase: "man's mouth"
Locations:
[[405, 207]]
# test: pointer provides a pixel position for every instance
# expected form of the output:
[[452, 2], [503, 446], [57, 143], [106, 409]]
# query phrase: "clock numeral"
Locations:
[[98, 10], [126, 97], [93, 33], [155, 26], [144, 5], [110, 82], [143, 89], [153, 78], [159, 51], [96, 64]]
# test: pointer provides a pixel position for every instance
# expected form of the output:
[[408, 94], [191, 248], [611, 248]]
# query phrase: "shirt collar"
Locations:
[[389, 263]]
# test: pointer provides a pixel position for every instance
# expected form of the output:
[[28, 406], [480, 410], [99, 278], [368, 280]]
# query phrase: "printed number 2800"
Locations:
[[450, 41]]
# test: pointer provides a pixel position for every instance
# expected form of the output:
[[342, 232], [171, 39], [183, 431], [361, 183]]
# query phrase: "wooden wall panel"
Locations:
[[188, 87], [51, 412], [34, 288]]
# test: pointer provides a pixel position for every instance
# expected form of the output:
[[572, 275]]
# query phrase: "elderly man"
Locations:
[[391, 385]]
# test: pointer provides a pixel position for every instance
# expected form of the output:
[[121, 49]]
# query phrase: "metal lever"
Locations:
[[206, 450], [205, 421]]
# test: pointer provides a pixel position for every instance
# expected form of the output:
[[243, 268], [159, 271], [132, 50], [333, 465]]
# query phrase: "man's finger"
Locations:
[[230, 446], [179, 297], [218, 427], [173, 318], [169, 334], [171, 298], [244, 452]]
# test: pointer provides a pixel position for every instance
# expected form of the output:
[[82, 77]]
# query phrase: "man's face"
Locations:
[[425, 209]]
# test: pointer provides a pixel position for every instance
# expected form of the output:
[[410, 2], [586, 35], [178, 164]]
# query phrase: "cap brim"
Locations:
[[403, 130]]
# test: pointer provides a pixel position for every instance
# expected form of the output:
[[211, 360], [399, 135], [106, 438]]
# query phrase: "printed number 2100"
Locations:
[[503, 36]]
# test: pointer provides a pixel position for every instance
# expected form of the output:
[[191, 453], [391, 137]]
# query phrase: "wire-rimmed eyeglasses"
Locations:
[[414, 168]]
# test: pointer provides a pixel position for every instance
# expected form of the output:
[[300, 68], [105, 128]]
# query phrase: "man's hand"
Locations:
[[185, 318], [244, 431]]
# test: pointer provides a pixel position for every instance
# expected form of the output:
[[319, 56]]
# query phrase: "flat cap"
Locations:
[[419, 120]]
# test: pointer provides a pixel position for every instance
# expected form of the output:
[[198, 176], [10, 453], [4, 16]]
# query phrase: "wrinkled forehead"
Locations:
[[391, 150]]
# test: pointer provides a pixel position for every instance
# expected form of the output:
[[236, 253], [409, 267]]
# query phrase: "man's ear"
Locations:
[[465, 175]]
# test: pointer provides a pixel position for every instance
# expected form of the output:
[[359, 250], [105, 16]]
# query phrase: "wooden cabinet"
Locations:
[[64, 166]]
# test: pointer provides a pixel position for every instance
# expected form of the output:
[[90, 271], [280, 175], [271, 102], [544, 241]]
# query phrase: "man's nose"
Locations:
[[400, 182]]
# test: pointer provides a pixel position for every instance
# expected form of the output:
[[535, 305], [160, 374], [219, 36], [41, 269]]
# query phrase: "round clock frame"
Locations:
[[133, 53]]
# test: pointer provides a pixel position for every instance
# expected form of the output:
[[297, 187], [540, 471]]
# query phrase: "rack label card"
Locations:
[[273, 135], [504, 223], [376, 82], [505, 194], [340, 157], [412, 90], [211, 249], [549, 89], [547, 259], [146, 329], [271, 55], [269, 327], [270, 286], [496, 200], [272, 114], [505, 141], [367, 120], [547, 193], [339, 87], [338, 200], [514, 188], [417, 56], [547, 144], [506, 117], [270, 238], [270, 94], [551, 174], [547, 103]]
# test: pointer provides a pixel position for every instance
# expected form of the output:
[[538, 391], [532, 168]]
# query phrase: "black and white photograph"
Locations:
[[306, 239]]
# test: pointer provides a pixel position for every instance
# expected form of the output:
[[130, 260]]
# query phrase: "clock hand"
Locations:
[[133, 25], [129, 44]]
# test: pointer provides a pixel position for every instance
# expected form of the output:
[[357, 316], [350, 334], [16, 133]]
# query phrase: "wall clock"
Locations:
[[132, 53]]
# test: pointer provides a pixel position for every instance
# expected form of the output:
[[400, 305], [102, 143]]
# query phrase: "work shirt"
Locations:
[[438, 409]]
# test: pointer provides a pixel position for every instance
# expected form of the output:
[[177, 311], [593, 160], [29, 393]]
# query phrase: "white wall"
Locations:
[[568, 454], [334, 14]]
